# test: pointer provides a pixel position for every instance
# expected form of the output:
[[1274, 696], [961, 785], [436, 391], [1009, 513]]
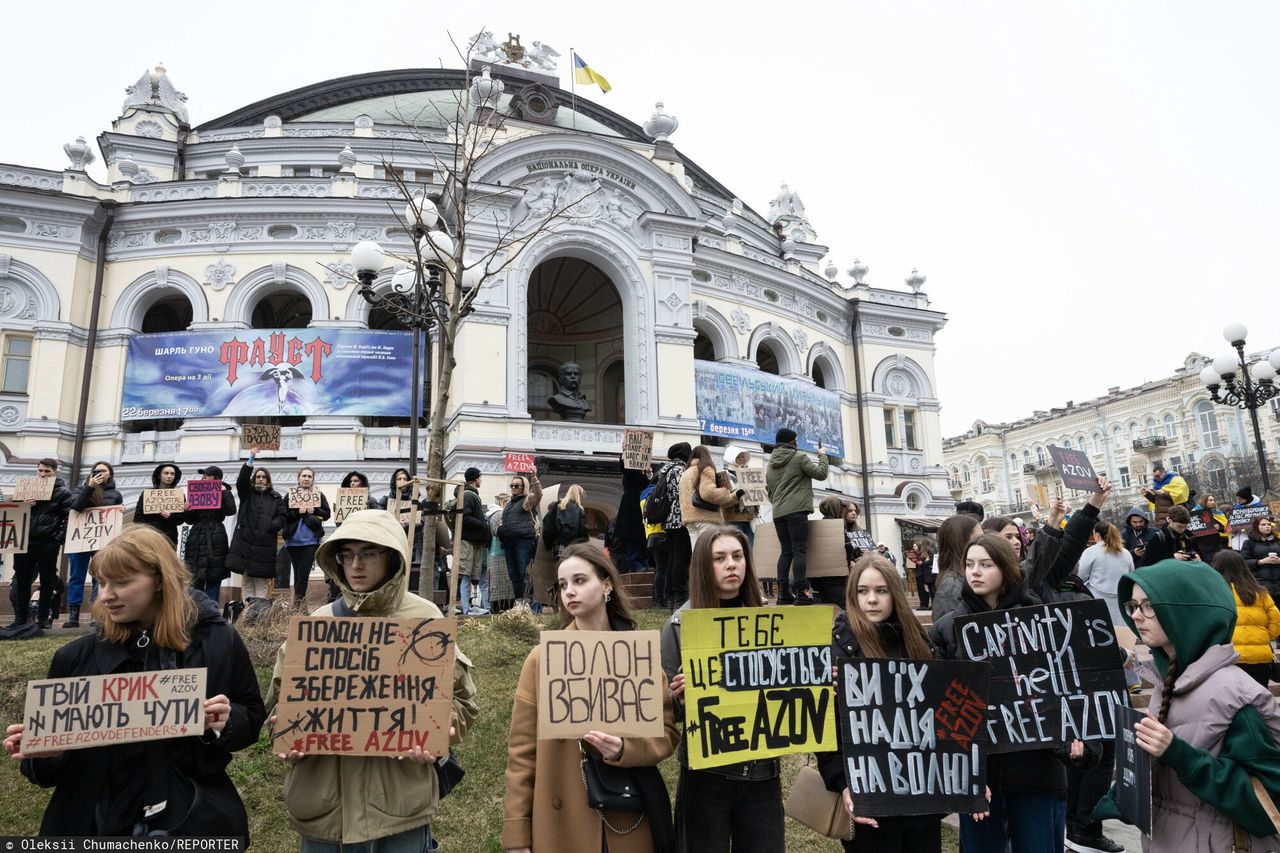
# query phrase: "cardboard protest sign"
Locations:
[[1274, 506], [15, 527], [260, 437], [93, 528], [607, 681], [1055, 673], [1074, 468], [162, 500], [366, 686], [33, 489], [1133, 772], [98, 710], [300, 498], [826, 557], [915, 737], [349, 500], [204, 494], [1242, 518], [637, 449], [757, 683], [751, 480], [405, 510], [518, 463]]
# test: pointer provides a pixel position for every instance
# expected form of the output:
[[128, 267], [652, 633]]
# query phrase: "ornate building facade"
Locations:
[[245, 222]]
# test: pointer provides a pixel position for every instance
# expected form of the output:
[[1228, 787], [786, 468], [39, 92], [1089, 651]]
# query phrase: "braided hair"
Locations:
[[1166, 691]]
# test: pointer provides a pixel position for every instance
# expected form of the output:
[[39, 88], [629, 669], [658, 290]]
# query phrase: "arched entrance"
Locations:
[[575, 315]]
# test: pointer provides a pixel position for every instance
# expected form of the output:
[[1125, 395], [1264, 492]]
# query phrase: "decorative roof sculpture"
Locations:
[[154, 90]]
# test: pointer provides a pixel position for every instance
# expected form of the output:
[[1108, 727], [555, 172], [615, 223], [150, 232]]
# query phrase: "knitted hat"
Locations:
[[680, 450], [784, 436], [472, 474]]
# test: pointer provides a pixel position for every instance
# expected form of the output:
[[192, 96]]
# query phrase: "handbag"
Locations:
[[610, 788], [699, 501], [1241, 843], [821, 810]]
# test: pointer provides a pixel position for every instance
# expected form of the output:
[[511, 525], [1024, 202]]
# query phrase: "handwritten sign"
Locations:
[[260, 437], [1055, 673], [608, 681], [826, 556], [751, 480], [33, 489], [100, 710], [204, 494], [861, 539], [366, 686], [757, 683], [93, 528], [162, 500], [1074, 468], [15, 527], [1242, 518], [519, 463], [349, 500], [637, 449], [1133, 772], [915, 735], [303, 498]]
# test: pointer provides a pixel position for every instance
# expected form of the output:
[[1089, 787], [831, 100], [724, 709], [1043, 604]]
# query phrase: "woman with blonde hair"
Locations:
[[149, 620], [565, 522], [1103, 564]]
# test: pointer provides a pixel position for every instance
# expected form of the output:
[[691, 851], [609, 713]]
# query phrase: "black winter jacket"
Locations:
[[260, 520], [475, 526], [1254, 550], [1164, 543], [630, 523], [99, 791], [49, 518], [168, 526], [82, 498], [314, 519], [206, 549], [564, 526]]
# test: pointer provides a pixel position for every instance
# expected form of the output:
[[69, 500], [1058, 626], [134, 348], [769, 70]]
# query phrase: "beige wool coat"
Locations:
[[709, 491]]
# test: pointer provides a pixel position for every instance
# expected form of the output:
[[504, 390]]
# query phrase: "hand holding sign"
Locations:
[[1102, 493], [13, 744]]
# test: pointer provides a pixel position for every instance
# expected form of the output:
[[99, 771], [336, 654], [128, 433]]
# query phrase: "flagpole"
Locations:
[[573, 89]]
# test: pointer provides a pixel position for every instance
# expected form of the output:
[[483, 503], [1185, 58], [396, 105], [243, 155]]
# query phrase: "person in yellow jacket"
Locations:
[[1257, 618], [1168, 490]]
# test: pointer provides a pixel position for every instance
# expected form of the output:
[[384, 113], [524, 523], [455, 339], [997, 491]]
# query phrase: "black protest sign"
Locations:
[[607, 681], [1133, 772], [1074, 468], [861, 539], [1242, 518], [914, 735], [1055, 673]]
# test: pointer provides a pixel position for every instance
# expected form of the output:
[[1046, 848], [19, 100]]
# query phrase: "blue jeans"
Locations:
[[211, 589], [519, 555], [1037, 824], [464, 591], [79, 567], [411, 841]]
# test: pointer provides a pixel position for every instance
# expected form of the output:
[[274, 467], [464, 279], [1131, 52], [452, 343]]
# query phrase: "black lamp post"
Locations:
[[1250, 392]]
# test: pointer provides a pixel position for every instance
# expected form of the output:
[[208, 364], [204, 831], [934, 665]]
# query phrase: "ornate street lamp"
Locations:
[[1244, 387]]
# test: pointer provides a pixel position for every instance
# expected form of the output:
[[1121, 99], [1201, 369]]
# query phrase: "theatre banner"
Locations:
[[738, 402], [268, 372]]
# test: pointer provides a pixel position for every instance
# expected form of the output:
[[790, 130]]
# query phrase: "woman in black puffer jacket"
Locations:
[[1261, 552], [258, 524], [207, 546], [165, 476], [98, 490]]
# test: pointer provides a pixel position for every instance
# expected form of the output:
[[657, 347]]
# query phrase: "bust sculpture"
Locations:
[[569, 402]]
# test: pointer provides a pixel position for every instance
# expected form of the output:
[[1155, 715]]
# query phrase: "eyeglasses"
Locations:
[[1148, 610], [517, 485], [365, 555]]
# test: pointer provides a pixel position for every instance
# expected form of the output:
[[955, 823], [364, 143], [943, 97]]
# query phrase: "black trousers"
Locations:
[[679, 551], [41, 560], [793, 536], [1085, 788], [924, 589], [301, 559], [716, 814], [888, 838], [1259, 672]]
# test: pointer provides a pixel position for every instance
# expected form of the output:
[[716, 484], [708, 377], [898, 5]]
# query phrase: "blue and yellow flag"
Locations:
[[583, 73]]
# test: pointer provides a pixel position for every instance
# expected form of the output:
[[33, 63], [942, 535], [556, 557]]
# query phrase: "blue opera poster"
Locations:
[[268, 372], [738, 402]]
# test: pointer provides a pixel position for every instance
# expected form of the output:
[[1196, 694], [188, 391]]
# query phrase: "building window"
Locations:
[[1013, 463], [1153, 429], [1057, 491], [1176, 462], [955, 477], [1017, 496], [1170, 427], [1039, 457], [1207, 421], [964, 473], [1066, 444], [909, 429], [1124, 477], [17, 363], [984, 474], [1097, 442], [1135, 432], [1215, 471], [1117, 437], [890, 426], [1026, 457]]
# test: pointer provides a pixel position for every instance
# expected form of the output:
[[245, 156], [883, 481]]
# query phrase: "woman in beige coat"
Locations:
[[545, 808], [701, 475]]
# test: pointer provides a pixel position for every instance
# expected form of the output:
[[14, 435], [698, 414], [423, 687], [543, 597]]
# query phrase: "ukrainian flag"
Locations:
[[583, 73]]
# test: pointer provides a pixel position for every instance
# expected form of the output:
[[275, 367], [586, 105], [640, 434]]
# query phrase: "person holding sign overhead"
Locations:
[[1213, 729], [303, 530], [545, 808], [148, 620], [735, 807], [207, 544], [99, 489], [165, 476], [261, 517]]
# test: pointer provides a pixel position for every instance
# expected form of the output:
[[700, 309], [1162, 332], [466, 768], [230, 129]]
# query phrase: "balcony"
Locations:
[[1038, 467], [1148, 443]]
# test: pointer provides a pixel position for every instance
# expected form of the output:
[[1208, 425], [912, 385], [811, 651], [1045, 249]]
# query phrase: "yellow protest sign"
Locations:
[[757, 683]]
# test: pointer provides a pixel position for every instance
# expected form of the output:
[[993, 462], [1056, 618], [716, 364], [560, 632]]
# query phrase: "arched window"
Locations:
[[703, 348], [1117, 438], [964, 473], [1207, 423], [1013, 463], [1039, 456], [1135, 432], [984, 475], [1215, 472], [1097, 442], [1170, 427], [1066, 444], [1026, 457], [1153, 429], [766, 359], [955, 477]]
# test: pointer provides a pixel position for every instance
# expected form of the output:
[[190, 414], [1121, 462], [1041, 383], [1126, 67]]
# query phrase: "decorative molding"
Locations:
[[284, 187], [339, 274], [219, 275], [741, 320], [35, 179]]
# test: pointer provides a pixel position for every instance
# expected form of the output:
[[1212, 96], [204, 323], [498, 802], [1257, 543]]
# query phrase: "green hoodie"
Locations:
[[1193, 599], [789, 480]]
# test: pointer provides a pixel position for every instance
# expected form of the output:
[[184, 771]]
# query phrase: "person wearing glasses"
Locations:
[[518, 529], [98, 489], [1213, 730], [330, 798]]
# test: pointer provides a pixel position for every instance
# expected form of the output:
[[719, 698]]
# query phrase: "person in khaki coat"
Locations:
[[701, 474], [345, 802], [545, 808]]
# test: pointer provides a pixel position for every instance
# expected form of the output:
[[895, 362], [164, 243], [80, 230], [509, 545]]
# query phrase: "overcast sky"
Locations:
[[1090, 187]]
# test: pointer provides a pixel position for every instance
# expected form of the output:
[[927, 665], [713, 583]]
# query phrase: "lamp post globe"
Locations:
[[367, 256], [421, 211], [1264, 372], [1226, 365], [1235, 333], [1210, 377], [442, 242], [1275, 359]]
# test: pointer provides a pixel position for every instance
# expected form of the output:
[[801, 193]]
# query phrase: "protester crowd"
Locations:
[[1175, 577]]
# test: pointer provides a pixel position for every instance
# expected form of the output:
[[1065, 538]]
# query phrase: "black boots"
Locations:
[[73, 617]]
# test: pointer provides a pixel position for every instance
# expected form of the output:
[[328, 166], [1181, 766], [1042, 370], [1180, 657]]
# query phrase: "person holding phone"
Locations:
[[1137, 533], [789, 482]]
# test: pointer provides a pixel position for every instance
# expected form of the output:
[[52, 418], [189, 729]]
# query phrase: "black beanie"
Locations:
[[1245, 493], [785, 436], [472, 474], [680, 450]]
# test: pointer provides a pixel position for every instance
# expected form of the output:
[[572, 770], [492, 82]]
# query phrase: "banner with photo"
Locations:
[[268, 372], [738, 402]]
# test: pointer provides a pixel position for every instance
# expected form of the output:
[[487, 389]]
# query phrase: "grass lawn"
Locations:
[[470, 819]]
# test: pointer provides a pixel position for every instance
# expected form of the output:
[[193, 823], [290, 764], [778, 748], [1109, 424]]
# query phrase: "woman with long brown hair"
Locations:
[[149, 620], [545, 808], [954, 537], [98, 489], [877, 622]]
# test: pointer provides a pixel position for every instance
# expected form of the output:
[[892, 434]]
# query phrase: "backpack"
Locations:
[[658, 507]]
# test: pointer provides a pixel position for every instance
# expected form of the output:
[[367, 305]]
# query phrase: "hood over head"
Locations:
[[377, 527], [731, 453], [155, 475], [211, 470], [1137, 510], [1194, 604]]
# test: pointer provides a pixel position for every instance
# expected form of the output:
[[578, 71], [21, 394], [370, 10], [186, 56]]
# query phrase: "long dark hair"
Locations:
[[1233, 568], [1005, 558], [1253, 525], [351, 475], [953, 543], [702, 577], [111, 479], [618, 606], [395, 493], [913, 634], [702, 457]]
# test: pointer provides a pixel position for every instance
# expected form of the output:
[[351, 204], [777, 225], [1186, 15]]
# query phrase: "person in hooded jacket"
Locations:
[[359, 804], [148, 619], [99, 489], [740, 515], [261, 517], [1137, 533], [673, 550], [1209, 727], [303, 530], [789, 482], [1172, 540], [166, 475], [565, 522], [1261, 552], [44, 541], [207, 544]]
